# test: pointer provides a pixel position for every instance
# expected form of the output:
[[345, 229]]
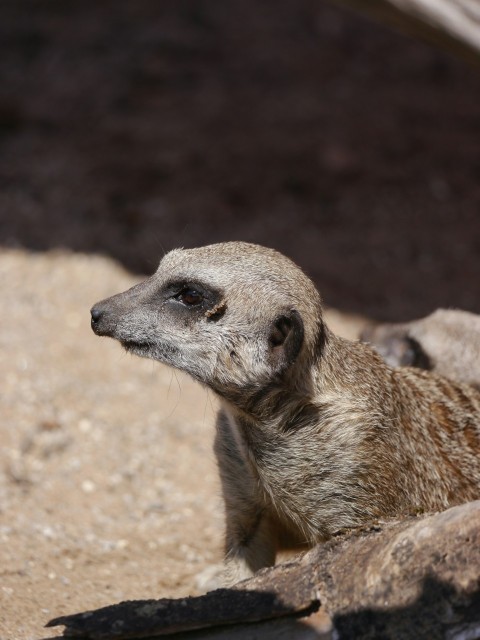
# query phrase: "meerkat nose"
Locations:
[[96, 314]]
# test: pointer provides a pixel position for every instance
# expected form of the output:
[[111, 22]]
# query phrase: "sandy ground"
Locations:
[[108, 486]]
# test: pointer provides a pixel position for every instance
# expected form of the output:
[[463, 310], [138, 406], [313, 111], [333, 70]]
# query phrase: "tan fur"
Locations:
[[316, 433]]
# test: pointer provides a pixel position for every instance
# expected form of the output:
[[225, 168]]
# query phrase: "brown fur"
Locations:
[[316, 433]]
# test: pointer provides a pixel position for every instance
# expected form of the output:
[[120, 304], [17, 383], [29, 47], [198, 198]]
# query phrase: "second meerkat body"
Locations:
[[316, 433]]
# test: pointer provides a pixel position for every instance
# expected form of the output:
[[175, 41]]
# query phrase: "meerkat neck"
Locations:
[[329, 369]]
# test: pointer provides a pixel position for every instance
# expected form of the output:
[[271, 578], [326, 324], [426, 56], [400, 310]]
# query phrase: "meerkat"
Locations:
[[446, 342], [315, 433]]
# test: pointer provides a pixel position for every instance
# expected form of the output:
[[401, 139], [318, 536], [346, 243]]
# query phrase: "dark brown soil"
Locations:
[[128, 128]]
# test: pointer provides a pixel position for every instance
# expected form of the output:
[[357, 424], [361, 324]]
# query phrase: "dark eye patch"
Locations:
[[191, 296]]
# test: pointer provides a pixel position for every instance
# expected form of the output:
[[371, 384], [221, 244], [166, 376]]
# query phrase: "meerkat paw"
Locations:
[[220, 576], [210, 578]]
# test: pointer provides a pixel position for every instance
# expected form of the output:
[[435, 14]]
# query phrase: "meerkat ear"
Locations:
[[286, 339]]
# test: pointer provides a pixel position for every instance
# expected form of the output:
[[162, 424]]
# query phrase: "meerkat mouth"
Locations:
[[137, 347], [161, 352]]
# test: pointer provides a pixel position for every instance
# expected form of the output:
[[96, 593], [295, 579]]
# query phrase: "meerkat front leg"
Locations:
[[249, 544], [250, 541]]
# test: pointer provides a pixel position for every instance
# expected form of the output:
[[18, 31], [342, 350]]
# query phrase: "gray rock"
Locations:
[[416, 579]]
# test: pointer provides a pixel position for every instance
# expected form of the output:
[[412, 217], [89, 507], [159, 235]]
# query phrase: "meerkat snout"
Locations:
[[101, 320], [315, 433]]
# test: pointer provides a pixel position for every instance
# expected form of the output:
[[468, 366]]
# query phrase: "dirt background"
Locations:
[[128, 128]]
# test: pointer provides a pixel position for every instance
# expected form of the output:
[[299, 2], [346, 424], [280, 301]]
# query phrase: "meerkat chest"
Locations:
[[265, 457]]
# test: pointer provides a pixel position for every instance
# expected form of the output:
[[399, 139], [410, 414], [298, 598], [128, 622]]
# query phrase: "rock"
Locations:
[[413, 579]]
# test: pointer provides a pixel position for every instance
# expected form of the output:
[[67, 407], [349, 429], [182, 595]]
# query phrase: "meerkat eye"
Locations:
[[190, 297]]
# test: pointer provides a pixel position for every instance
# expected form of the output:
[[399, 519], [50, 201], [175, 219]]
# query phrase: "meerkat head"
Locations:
[[235, 316]]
